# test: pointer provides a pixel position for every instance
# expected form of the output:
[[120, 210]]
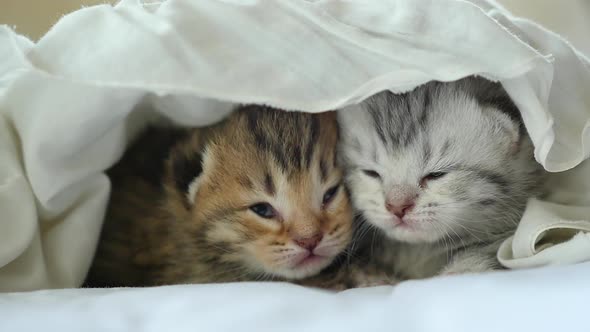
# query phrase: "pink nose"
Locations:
[[400, 210], [309, 243]]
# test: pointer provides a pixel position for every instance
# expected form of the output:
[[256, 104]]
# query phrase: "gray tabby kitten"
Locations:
[[443, 171]]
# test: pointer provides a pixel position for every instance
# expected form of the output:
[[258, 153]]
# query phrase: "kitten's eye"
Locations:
[[371, 173], [264, 210], [432, 176], [435, 175], [330, 194]]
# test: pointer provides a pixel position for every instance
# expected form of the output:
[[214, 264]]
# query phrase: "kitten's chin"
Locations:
[[411, 235], [304, 268], [408, 232]]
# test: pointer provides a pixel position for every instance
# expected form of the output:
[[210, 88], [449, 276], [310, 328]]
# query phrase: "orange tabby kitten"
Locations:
[[256, 197]]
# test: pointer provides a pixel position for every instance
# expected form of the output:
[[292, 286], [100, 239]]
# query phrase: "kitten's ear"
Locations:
[[193, 187], [492, 94], [506, 128], [187, 170], [352, 117], [499, 106]]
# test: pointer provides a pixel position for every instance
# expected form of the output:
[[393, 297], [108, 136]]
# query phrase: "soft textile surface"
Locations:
[[548, 234], [67, 102], [528, 300]]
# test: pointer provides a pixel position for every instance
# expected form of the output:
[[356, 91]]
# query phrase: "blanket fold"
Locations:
[[67, 102]]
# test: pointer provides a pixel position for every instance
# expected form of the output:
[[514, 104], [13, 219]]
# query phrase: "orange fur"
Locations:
[[157, 233]]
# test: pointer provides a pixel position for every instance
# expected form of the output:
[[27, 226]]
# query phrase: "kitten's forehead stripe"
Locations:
[[260, 138], [290, 139], [378, 121], [423, 119], [395, 112], [280, 154], [314, 131], [410, 128], [269, 185], [398, 119], [297, 158], [263, 140], [323, 170], [335, 157]]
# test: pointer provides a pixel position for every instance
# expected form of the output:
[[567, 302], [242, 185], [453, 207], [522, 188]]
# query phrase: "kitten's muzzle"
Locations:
[[309, 243], [400, 209], [401, 199]]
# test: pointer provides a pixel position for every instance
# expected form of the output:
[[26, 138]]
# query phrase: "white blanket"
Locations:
[[530, 300], [67, 102]]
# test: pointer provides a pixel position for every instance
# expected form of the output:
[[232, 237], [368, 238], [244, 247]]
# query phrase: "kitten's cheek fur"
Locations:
[[414, 235], [418, 231], [264, 256], [283, 263], [366, 195]]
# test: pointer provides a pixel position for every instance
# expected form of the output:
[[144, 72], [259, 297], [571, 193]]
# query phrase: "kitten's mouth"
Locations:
[[310, 260], [400, 223]]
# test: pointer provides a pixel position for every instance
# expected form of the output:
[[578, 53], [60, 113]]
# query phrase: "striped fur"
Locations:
[[180, 208], [468, 134]]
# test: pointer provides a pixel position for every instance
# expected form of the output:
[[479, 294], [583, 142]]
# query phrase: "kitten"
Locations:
[[256, 197], [444, 171]]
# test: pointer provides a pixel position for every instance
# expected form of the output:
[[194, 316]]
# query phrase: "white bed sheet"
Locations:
[[66, 110], [548, 299]]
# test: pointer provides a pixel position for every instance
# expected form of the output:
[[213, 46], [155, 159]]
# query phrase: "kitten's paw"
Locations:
[[337, 282], [352, 278], [361, 279], [469, 265], [454, 272]]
